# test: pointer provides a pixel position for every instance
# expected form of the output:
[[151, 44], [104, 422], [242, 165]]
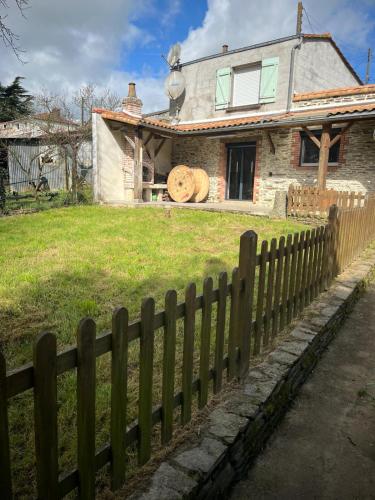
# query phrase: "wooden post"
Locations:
[[334, 265], [138, 168], [5, 474], [324, 155]]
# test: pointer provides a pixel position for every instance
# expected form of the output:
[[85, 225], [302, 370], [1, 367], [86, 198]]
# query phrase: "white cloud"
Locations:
[[73, 42], [240, 23]]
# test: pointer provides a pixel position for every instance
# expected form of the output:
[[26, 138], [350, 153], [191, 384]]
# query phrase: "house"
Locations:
[[26, 156], [257, 119]]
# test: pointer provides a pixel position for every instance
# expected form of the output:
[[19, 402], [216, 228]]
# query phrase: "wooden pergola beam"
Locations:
[[338, 136], [312, 136], [325, 142], [138, 166], [271, 143], [159, 146], [130, 141]]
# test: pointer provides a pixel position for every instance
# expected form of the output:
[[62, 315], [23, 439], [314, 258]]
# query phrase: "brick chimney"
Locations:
[[132, 104]]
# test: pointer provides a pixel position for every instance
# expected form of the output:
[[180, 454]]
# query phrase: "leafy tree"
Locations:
[[14, 101]]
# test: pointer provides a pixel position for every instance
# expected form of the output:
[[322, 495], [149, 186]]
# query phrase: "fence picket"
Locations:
[[270, 290], [247, 266], [277, 295], [204, 361], [188, 352], [220, 331], [169, 359], [45, 414], [146, 361], [86, 370], [310, 266], [298, 283], [119, 389], [5, 474], [292, 281], [260, 298], [234, 324], [285, 283]]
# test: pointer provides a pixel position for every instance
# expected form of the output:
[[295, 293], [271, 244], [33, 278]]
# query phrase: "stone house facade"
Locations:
[[257, 119]]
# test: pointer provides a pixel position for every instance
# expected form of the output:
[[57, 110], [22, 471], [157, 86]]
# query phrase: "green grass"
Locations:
[[63, 264]]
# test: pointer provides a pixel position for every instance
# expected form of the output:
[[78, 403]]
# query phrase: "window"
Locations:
[[310, 152], [246, 85]]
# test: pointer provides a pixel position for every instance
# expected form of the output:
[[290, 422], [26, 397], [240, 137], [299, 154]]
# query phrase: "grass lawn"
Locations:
[[63, 264]]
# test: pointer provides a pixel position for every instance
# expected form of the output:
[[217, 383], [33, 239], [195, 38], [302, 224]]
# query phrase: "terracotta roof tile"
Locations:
[[277, 118], [338, 92]]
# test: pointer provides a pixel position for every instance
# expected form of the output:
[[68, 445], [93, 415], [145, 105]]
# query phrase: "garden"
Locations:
[[63, 264]]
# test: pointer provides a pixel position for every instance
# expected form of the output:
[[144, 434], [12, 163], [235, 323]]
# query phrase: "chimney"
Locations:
[[131, 104], [225, 48]]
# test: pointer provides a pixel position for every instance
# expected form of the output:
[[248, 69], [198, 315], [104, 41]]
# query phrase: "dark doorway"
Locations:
[[240, 171]]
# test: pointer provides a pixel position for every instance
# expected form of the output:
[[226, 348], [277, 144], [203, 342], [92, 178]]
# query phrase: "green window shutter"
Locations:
[[268, 80], [223, 81]]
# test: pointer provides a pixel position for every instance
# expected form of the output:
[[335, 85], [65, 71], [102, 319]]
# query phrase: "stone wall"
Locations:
[[204, 153], [276, 171]]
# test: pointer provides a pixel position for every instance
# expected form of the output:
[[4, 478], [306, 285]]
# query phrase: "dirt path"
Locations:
[[325, 446]]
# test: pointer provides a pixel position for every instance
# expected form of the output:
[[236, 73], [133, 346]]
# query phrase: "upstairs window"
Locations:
[[309, 156], [246, 86]]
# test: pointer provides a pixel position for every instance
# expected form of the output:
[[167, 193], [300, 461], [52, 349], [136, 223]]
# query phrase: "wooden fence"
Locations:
[[266, 292], [307, 200]]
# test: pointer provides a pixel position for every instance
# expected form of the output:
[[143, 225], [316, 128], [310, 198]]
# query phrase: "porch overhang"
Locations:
[[292, 119]]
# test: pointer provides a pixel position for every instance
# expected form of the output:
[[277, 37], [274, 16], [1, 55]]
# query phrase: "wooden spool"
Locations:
[[181, 183], [202, 185]]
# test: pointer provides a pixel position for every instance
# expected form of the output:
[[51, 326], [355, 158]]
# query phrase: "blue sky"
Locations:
[[109, 43]]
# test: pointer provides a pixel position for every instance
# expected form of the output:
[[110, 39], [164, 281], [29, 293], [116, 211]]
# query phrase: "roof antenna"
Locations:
[[369, 56], [299, 18]]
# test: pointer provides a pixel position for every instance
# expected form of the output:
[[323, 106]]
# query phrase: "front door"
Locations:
[[240, 171]]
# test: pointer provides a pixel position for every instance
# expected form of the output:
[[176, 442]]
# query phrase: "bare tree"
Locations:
[[59, 126], [7, 35], [88, 97]]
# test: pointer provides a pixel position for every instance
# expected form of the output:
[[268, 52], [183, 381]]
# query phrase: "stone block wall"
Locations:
[[276, 171], [204, 153]]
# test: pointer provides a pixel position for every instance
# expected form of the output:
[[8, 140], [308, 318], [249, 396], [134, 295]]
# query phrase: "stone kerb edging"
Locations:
[[238, 427]]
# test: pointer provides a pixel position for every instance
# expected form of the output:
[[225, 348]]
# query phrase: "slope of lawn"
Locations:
[[60, 265]]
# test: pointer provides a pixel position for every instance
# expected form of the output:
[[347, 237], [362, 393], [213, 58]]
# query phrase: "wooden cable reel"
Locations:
[[188, 184]]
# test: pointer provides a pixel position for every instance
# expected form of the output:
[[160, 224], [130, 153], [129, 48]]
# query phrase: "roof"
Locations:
[[305, 36], [338, 92], [292, 118]]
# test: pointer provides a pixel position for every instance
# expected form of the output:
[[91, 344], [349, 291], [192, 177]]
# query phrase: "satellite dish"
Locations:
[[174, 55], [174, 84]]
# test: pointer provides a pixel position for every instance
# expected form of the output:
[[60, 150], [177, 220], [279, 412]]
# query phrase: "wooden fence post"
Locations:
[[247, 265], [146, 361], [45, 415], [119, 389], [204, 359], [5, 471], [220, 330], [334, 265], [188, 352], [86, 375], [169, 359]]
